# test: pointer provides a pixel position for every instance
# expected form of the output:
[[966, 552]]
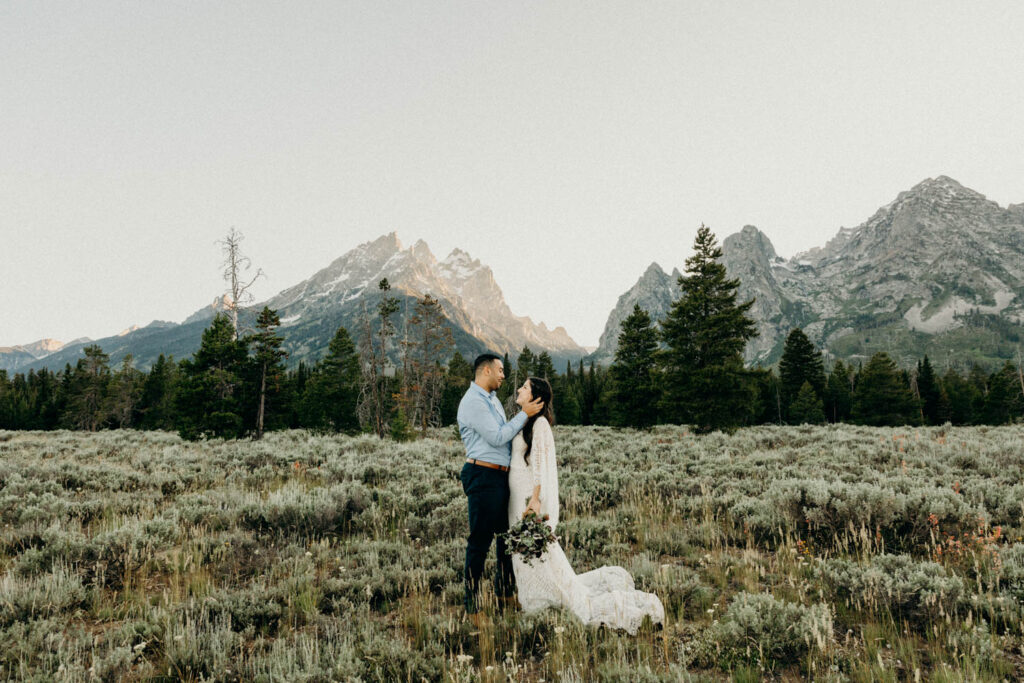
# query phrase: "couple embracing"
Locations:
[[511, 469]]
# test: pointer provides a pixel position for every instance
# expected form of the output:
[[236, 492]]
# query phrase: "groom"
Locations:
[[488, 438]]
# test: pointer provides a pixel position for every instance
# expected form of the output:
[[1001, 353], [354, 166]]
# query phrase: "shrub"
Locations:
[[897, 585], [760, 629]]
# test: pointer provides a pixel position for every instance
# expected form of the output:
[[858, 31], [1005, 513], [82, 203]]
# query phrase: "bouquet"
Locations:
[[529, 537]]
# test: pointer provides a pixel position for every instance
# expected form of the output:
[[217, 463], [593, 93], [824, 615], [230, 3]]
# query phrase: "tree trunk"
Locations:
[[263, 394]]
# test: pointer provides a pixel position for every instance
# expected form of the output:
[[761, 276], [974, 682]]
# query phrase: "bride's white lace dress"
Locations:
[[602, 596]]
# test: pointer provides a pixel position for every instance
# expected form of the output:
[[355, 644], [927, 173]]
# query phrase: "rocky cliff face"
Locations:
[[654, 292], [466, 289], [934, 271]]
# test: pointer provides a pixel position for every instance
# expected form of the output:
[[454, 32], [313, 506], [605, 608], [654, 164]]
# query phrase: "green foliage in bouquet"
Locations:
[[529, 537]]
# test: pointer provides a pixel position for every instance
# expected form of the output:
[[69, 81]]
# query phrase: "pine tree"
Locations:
[[929, 391], [1004, 402], [706, 332], [633, 391], [979, 380], [156, 404], [806, 408], [87, 398], [7, 420], [801, 362], [457, 377], [268, 363], [962, 397], [332, 392], [125, 394], [883, 397], [544, 367], [526, 365], [433, 341], [209, 397], [839, 393]]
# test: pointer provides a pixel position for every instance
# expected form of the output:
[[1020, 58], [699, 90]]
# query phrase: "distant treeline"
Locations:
[[196, 397], [686, 370]]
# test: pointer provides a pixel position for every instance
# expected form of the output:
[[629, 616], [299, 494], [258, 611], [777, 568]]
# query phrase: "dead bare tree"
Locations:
[[236, 265]]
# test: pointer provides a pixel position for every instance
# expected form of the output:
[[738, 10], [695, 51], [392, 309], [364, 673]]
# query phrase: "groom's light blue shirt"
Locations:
[[483, 428]]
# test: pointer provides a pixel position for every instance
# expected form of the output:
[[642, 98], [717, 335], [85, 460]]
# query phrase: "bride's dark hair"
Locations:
[[540, 389]]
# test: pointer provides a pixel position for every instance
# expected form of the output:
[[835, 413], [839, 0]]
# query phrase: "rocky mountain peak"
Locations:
[[752, 242], [471, 298], [459, 265], [421, 251], [653, 271], [920, 264]]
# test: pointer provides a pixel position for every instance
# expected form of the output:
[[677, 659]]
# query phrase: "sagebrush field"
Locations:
[[832, 553]]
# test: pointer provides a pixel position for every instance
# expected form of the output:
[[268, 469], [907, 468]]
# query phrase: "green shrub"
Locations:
[[762, 630], [898, 585]]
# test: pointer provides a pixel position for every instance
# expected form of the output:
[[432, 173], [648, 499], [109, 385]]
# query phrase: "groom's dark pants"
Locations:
[[487, 491]]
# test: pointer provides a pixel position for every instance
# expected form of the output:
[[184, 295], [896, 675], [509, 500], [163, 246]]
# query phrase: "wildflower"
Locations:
[[559, 630], [464, 659]]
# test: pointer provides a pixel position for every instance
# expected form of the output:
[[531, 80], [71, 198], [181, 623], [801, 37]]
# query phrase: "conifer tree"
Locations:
[[125, 393], [457, 377], [156, 404], [882, 397], [431, 343], [806, 408], [332, 392], [801, 362], [706, 331], [87, 399], [544, 367], [979, 380], [7, 420], [268, 363], [1004, 402], [962, 396], [46, 405], [633, 391], [525, 366], [929, 391], [209, 397], [839, 393]]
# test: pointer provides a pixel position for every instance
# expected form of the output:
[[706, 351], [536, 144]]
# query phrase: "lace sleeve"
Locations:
[[537, 452], [540, 452]]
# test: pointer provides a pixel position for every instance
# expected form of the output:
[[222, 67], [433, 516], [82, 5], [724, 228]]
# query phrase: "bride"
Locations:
[[602, 596]]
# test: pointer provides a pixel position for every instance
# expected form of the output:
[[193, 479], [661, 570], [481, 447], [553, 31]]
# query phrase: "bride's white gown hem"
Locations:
[[603, 596]]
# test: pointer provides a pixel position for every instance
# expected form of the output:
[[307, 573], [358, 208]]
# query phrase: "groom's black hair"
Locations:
[[483, 359]]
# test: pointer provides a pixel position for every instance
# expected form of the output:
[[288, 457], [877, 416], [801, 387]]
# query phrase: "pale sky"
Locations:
[[565, 144]]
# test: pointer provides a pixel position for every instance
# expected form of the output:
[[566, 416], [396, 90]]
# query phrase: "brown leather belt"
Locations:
[[489, 465]]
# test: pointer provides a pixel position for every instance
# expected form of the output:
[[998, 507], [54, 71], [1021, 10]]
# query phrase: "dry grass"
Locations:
[[833, 553]]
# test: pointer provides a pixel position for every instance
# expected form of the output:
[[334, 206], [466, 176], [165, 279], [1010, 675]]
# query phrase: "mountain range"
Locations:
[[938, 270], [312, 310]]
